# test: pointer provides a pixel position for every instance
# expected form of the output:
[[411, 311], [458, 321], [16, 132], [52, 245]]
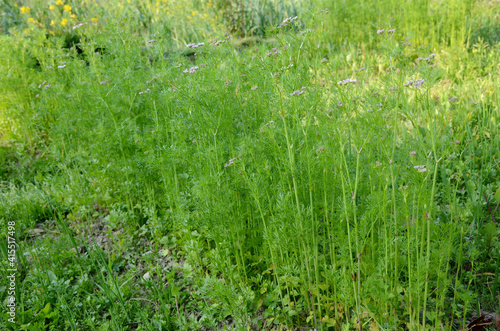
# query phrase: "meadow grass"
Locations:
[[333, 171]]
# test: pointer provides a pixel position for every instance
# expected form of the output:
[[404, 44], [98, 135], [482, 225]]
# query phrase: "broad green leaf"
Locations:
[[52, 275], [45, 309], [497, 196]]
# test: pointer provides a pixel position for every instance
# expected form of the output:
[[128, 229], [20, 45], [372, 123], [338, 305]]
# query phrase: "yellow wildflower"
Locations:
[[52, 22], [25, 10], [72, 16], [67, 8], [51, 7], [59, 2], [31, 20], [52, 32], [94, 20], [64, 22]]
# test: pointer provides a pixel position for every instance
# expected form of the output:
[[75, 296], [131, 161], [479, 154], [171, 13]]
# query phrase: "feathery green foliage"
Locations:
[[338, 170]]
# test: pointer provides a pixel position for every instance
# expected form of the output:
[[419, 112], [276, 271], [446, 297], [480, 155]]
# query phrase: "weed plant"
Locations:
[[303, 182]]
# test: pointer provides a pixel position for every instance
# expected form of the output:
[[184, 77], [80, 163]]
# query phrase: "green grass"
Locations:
[[246, 187]]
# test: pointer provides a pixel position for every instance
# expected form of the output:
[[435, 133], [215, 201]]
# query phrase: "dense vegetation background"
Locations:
[[236, 164]]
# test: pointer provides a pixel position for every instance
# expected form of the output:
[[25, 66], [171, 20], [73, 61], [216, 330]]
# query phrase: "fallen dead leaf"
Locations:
[[36, 232], [479, 323]]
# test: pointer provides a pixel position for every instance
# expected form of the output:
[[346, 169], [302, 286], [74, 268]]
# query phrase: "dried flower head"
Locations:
[[347, 81], [299, 92], [277, 73], [75, 27], [287, 21], [420, 168], [426, 58], [230, 162], [273, 52], [195, 45], [191, 70], [416, 84], [218, 42]]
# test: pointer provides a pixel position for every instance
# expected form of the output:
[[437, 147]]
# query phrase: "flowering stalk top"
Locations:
[[191, 70], [347, 81]]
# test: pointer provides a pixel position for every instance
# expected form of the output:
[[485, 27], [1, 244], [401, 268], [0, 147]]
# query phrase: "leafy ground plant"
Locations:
[[194, 181]]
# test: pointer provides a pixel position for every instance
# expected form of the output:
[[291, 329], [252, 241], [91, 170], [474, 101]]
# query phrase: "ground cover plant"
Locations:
[[265, 165]]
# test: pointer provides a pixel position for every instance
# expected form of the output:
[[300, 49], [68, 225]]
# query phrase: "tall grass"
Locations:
[[327, 177]]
